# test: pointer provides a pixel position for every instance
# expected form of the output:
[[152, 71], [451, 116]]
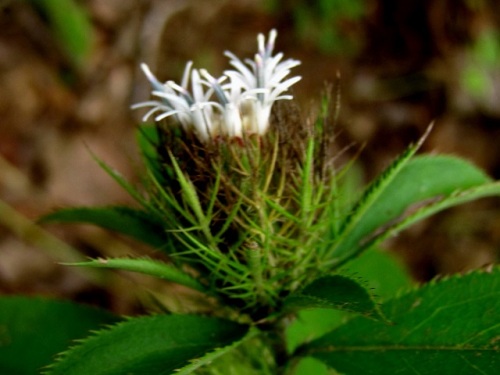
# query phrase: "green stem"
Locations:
[[254, 259]]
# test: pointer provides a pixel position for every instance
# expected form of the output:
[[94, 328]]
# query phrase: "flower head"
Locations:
[[264, 78], [192, 109], [243, 210], [233, 105]]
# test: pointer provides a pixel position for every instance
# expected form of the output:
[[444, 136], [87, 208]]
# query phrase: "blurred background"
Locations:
[[69, 71]]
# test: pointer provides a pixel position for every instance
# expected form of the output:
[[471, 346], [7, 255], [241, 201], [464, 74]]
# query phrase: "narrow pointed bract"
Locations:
[[237, 104]]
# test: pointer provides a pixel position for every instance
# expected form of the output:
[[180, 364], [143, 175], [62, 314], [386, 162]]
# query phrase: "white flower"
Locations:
[[191, 109], [239, 102], [264, 77]]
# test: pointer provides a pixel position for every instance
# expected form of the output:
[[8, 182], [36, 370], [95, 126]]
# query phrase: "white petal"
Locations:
[[166, 114], [260, 43], [185, 76], [243, 81], [215, 85], [149, 113], [272, 63], [144, 104], [174, 101], [202, 126], [270, 42], [232, 121], [151, 78], [282, 87], [197, 88]]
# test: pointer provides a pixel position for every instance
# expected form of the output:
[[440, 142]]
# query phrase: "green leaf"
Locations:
[[335, 292], [149, 345], [420, 179], [384, 274], [311, 324], [354, 222], [457, 198], [71, 26], [34, 330], [120, 180], [252, 356], [215, 355], [148, 139], [131, 222], [446, 327], [146, 266], [308, 366]]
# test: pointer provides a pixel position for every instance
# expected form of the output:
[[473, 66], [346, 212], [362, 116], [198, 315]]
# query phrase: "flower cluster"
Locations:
[[235, 104]]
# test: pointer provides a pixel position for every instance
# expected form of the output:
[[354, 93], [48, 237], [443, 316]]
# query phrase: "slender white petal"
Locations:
[[150, 76], [232, 120], [215, 85], [166, 114], [202, 124], [238, 102], [149, 113], [175, 101], [197, 87], [185, 76], [145, 104], [262, 79], [260, 43], [270, 42], [175, 87]]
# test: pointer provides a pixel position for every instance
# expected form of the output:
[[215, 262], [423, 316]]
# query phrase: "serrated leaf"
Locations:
[[457, 198], [383, 272], [125, 220], [146, 266], [353, 223], [34, 330], [420, 179], [214, 355], [252, 356], [446, 327], [335, 292], [309, 366], [149, 345], [311, 324]]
